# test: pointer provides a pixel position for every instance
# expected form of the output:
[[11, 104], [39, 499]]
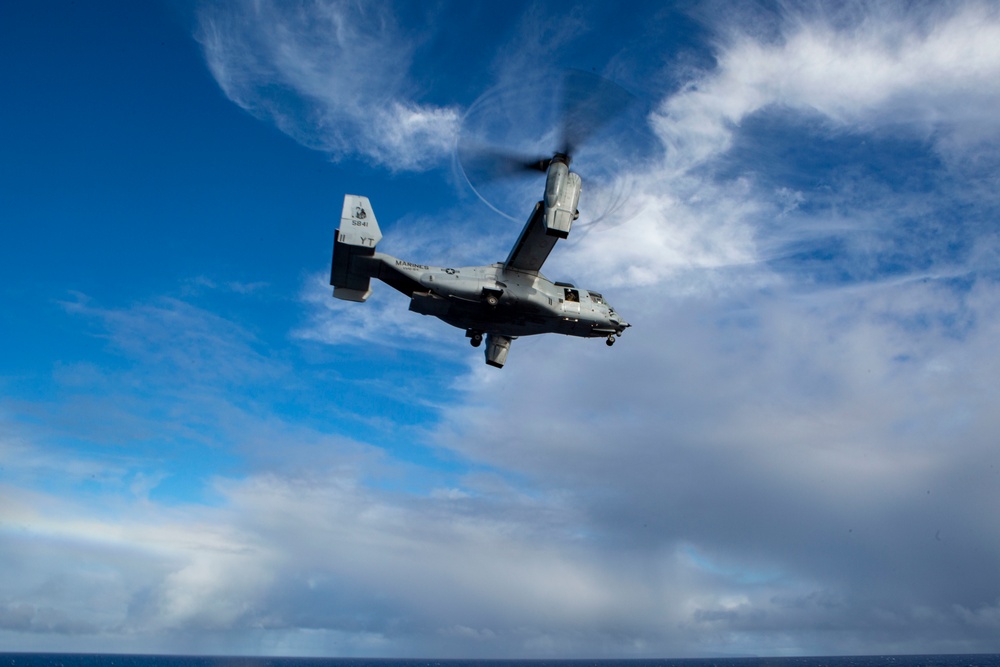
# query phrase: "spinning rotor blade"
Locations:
[[588, 103], [497, 163], [503, 128]]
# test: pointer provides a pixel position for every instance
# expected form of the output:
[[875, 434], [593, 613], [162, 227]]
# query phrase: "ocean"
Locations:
[[112, 660]]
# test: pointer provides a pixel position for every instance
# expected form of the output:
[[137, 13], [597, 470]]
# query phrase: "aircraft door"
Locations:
[[571, 301]]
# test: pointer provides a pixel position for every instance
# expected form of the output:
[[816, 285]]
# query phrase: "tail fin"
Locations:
[[356, 240]]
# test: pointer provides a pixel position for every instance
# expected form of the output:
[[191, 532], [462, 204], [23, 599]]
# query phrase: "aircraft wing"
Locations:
[[533, 245]]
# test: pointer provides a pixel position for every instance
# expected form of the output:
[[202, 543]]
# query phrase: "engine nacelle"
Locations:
[[497, 348], [562, 196]]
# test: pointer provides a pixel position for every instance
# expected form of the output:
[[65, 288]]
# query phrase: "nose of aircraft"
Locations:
[[619, 323]]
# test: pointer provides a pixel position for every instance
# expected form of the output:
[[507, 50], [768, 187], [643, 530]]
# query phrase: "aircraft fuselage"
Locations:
[[506, 302]]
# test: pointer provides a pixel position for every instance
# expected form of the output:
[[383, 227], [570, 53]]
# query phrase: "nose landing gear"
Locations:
[[475, 338], [610, 341]]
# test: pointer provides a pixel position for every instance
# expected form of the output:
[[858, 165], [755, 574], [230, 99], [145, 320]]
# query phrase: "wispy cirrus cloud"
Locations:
[[330, 74]]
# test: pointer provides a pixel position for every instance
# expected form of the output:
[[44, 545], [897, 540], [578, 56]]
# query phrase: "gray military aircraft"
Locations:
[[501, 301]]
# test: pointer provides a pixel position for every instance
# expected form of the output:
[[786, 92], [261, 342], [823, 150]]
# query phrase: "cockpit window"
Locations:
[[572, 295], [596, 297]]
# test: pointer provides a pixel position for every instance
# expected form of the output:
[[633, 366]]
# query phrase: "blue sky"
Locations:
[[792, 452]]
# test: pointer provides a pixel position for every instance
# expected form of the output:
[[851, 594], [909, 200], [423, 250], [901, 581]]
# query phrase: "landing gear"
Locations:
[[610, 341], [475, 338]]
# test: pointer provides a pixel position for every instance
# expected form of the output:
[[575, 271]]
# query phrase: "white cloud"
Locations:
[[825, 440], [932, 69], [927, 74], [445, 576], [330, 74], [682, 232]]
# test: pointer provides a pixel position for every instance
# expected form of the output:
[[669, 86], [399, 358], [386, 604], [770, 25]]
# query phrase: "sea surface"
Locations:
[[109, 660]]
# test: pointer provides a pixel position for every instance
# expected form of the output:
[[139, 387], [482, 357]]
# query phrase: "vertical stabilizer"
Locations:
[[350, 273]]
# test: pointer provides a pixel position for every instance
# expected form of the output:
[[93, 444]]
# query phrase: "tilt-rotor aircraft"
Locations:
[[508, 299], [501, 301]]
